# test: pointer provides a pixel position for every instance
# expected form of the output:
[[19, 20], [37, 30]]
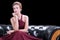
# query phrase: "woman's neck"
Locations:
[[19, 16]]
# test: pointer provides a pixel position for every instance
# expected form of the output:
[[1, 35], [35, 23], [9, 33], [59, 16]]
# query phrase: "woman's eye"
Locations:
[[16, 7], [13, 8]]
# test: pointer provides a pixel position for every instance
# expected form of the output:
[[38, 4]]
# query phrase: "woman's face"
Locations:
[[16, 9]]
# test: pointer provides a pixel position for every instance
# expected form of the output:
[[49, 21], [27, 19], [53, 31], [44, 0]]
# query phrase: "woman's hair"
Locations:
[[17, 3]]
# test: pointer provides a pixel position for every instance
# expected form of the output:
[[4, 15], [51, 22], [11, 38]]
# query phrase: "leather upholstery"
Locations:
[[39, 31]]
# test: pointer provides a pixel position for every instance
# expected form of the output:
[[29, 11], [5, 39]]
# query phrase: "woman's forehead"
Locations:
[[15, 6]]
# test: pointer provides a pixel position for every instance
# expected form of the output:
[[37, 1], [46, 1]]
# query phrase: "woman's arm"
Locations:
[[14, 22], [15, 25], [26, 25]]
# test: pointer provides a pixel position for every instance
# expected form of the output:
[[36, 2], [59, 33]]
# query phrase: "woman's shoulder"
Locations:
[[11, 18], [25, 16]]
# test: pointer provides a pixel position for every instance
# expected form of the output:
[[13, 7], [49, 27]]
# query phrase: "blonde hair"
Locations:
[[17, 3]]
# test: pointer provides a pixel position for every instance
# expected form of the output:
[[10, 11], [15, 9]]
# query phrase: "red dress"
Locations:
[[19, 35]]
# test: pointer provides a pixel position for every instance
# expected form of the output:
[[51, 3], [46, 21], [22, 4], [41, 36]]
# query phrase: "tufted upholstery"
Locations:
[[39, 31]]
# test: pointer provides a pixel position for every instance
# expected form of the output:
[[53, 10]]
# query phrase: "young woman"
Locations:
[[20, 25]]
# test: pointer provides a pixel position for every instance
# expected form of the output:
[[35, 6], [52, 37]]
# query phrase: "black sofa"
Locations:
[[41, 31]]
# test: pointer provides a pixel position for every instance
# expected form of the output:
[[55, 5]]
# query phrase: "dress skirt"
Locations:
[[18, 35]]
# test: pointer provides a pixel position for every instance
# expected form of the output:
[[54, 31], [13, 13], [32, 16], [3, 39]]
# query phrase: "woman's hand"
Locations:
[[15, 16], [9, 32]]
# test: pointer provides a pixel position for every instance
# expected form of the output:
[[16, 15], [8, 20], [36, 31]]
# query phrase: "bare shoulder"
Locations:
[[25, 16], [11, 18]]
